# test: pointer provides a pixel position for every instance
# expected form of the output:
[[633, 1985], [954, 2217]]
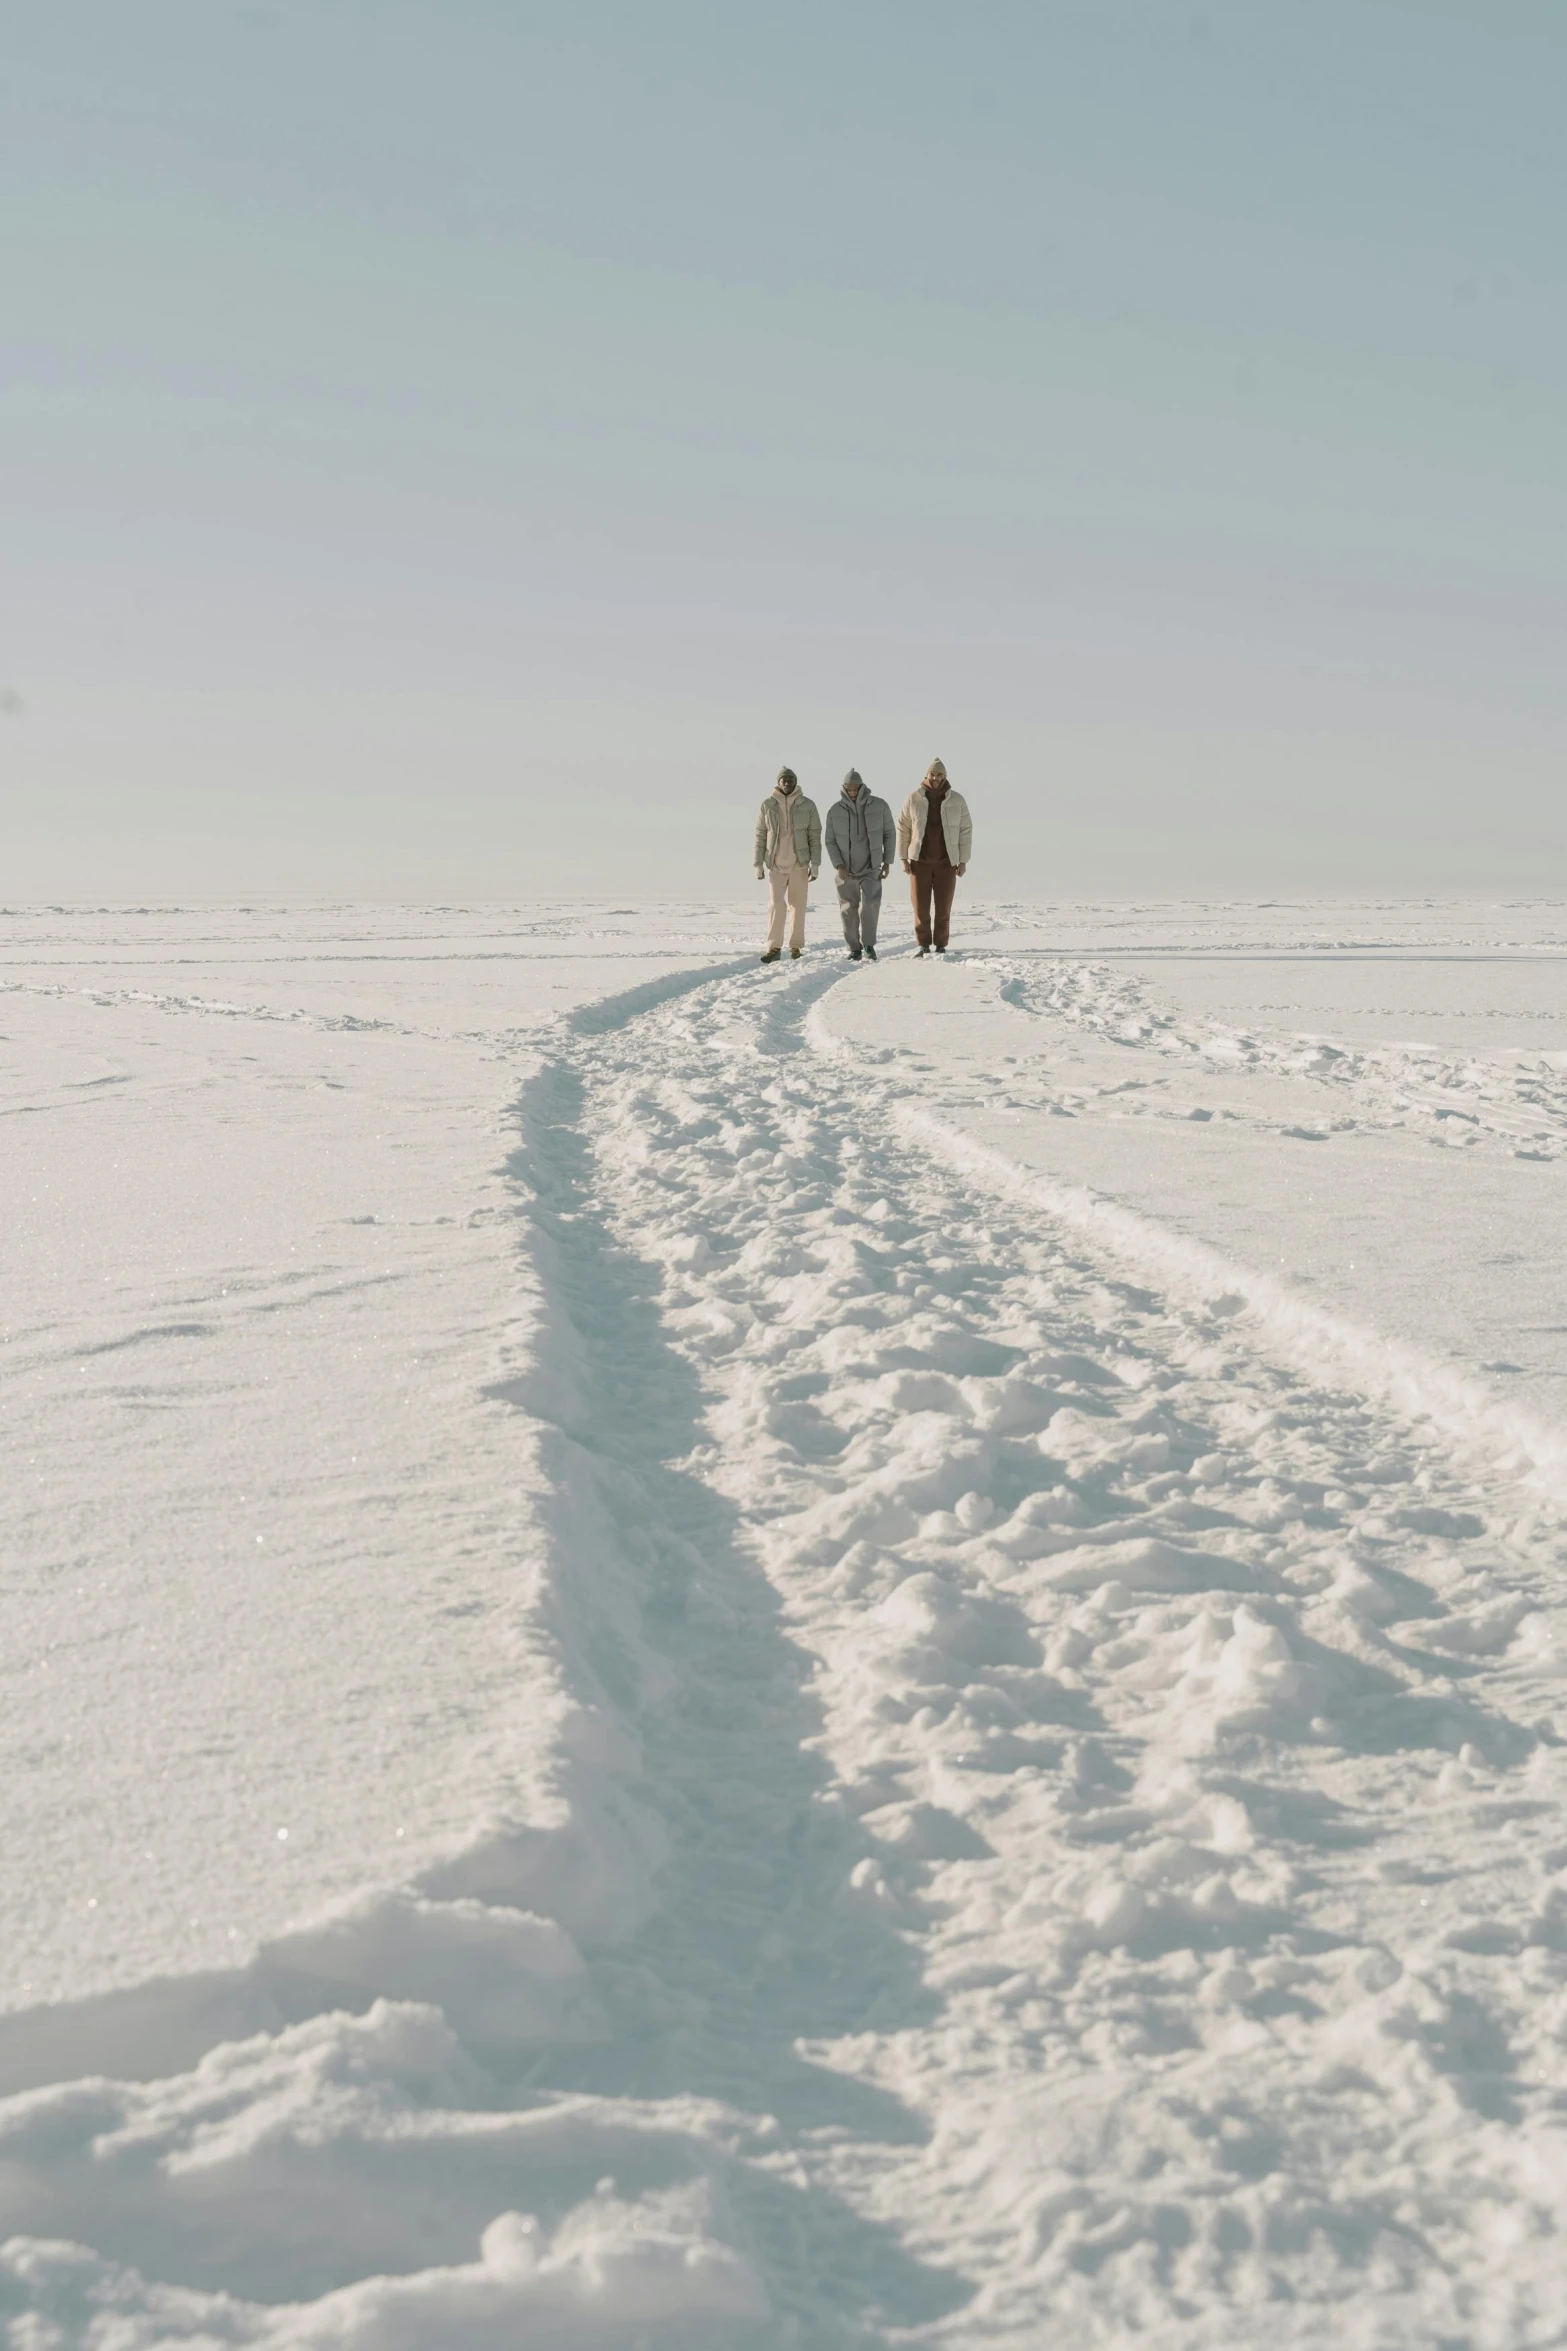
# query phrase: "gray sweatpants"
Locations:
[[859, 902]]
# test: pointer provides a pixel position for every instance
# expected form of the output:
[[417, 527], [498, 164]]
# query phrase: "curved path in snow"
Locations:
[[1057, 1832]]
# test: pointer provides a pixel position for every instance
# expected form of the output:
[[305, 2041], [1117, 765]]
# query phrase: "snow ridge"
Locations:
[[1322, 1344], [1455, 1100], [1051, 1827]]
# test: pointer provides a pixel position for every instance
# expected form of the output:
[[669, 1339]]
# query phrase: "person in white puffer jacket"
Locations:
[[789, 855], [935, 835]]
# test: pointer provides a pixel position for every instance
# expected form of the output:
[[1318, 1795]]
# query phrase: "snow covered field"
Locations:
[[711, 1657]]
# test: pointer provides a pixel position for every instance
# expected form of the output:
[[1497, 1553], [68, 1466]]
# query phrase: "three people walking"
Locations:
[[933, 836]]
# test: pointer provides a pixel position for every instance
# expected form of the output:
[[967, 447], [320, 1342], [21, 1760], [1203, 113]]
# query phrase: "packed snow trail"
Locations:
[[1061, 1834], [1196, 1721]]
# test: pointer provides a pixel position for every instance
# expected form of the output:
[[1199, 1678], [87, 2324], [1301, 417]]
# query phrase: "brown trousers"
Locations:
[[931, 886]]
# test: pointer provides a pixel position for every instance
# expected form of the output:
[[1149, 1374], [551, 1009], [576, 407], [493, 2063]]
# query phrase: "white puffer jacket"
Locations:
[[956, 824]]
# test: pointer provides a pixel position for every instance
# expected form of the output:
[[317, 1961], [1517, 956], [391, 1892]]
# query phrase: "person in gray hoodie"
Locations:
[[861, 841]]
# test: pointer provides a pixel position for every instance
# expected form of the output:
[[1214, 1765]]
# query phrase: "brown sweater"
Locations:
[[933, 849]]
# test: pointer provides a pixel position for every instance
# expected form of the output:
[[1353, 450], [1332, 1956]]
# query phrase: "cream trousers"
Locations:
[[787, 885]]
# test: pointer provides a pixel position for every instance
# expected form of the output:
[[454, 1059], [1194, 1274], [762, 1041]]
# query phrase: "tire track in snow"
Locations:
[[1517, 1099], [1198, 1716], [1493, 1436], [743, 1950]]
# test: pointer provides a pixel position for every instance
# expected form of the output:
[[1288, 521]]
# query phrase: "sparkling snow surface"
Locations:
[[702, 1657]]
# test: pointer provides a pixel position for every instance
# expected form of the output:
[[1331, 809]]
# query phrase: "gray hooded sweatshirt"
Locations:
[[859, 834]]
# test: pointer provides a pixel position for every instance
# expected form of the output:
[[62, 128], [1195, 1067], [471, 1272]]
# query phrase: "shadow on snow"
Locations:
[[750, 1950]]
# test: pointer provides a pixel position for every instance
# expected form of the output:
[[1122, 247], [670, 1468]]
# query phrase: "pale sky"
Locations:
[[465, 446]]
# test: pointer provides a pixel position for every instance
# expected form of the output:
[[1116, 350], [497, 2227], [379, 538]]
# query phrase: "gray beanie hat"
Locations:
[[854, 777], [786, 775]]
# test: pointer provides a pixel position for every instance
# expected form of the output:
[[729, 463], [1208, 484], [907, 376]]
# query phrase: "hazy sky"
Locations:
[[466, 445]]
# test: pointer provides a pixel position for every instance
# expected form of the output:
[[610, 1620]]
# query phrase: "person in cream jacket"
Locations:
[[935, 835], [789, 856]]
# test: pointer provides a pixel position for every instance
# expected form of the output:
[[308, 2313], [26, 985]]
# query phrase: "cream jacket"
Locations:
[[956, 824]]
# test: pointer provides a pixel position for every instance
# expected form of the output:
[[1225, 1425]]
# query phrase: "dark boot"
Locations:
[[871, 952], [771, 956]]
